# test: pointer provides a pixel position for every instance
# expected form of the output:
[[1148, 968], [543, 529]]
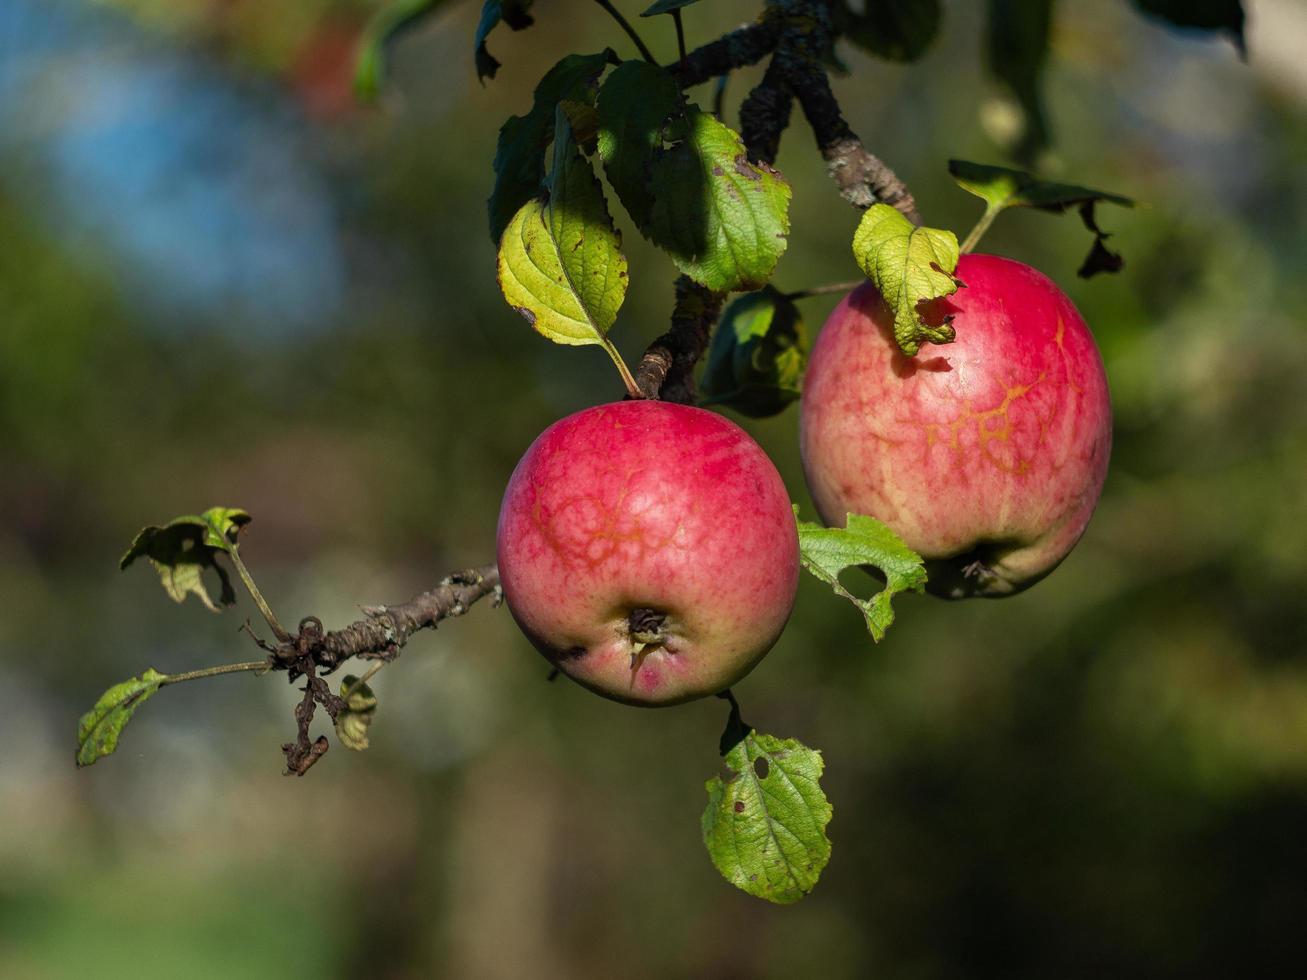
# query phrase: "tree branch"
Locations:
[[667, 368], [765, 114], [862, 178], [746, 45], [387, 628]]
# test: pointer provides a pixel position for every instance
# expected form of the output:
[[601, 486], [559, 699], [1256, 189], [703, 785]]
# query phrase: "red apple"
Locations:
[[986, 455], [648, 550]]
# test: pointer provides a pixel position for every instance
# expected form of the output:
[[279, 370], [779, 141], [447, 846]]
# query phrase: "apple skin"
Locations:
[[651, 518], [986, 455]]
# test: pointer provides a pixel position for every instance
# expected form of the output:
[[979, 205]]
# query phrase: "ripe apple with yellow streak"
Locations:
[[648, 550], [986, 455]]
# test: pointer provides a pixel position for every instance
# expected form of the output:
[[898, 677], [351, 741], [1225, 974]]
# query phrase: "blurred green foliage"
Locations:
[[1105, 776]]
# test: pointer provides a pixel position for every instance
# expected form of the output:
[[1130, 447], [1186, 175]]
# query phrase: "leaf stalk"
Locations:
[[630, 31]]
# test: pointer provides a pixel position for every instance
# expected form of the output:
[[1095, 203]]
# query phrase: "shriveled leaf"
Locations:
[[910, 266], [1225, 16], [722, 219], [666, 7], [520, 154], [765, 823], [898, 30], [98, 730], [1016, 50], [183, 548], [1002, 187], [355, 718], [560, 261], [827, 551], [511, 12], [758, 353], [390, 21], [635, 103]]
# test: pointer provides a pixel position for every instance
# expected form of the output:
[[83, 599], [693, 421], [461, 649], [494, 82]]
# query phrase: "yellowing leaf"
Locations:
[[909, 266]]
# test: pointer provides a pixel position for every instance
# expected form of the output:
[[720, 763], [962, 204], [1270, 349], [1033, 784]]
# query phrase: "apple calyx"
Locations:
[[646, 628]]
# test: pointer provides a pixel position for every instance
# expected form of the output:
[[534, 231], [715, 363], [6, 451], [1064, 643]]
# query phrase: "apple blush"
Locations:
[[986, 455], [648, 550]]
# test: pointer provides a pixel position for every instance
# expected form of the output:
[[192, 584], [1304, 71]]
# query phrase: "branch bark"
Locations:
[[746, 45], [387, 628], [666, 370], [765, 115], [805, 39]]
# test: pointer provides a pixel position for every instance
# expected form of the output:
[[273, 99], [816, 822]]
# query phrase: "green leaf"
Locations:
[[99, 728], [666, 7], [520, 154], [827, 551], [560, 261], [635, 103], [183, 548], [898, 30], [1226, 16], [910, 266], [758, 353], [1002, 187], [1016, 50], [723, 220], [388, 23], [511, 12], [765, 824], [355, 718]]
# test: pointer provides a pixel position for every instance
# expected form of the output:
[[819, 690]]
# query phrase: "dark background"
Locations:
[[221, 282]]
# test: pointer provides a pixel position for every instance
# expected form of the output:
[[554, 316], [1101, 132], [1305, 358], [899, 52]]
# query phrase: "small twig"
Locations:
[[630, 31], [719, 96], [269, 616], [262, 666], [830, 287], [680, 36]]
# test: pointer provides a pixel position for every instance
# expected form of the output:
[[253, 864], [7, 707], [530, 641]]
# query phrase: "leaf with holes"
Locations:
[[722, 219], [635, 103], [758, 353], [98, 730], [182, 549], [560, 261], [826, 551], [910, 266], [511, 12], [765, 823], [520, 153]]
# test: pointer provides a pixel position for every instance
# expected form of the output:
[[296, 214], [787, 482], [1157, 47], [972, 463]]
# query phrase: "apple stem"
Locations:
[[978, 232], [628, 379]]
